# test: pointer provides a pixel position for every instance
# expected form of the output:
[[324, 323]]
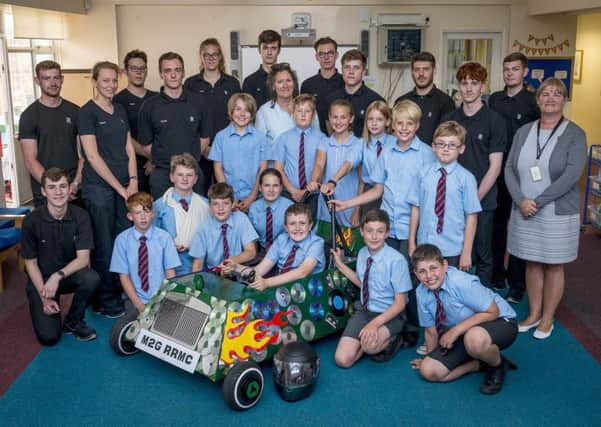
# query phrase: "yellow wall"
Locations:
[[586, 102]]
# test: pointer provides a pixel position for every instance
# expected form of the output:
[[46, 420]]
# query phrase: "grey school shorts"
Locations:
[[361, 318]]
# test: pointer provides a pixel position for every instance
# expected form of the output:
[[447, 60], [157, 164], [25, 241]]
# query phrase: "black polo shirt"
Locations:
[[174, 126], [256, 85], [216, 96], [434, 105], [132, 104], [110, 131], [517, 110], [55, 130], [320, 87], [360, 100], [486, 134], [53, 242]]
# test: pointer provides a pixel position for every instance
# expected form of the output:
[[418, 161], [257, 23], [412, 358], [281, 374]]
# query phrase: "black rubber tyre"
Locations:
[[119, 344], [243, 386]]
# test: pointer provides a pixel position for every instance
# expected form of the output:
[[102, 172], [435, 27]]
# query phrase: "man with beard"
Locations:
[[433, 102], [132, 97], [48, 132], [518, 106], [173, 122], [327, 79]]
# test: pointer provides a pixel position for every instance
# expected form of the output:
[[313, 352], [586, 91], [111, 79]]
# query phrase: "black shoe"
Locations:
[[82, 331], [389, 352], [495, 376], [498, 286], [514, 295], [110, 312]]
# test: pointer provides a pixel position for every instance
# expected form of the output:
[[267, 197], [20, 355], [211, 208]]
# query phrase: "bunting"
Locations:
[[541, 50]]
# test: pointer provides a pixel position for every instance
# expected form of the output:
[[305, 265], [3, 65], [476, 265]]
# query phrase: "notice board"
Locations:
[[540, 69]]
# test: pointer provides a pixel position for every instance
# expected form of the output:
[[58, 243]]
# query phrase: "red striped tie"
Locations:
[[302, 176], [290, 260], [365, 284], [439, 318], [378, 148], [143, 263], [184, 204], [226, 245], [441, 191], [268, 227]]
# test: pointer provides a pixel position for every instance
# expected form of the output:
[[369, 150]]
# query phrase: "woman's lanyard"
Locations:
[[539, 150]]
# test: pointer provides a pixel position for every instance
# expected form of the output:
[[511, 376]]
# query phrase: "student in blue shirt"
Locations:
[[467, 325], [226, 236], [382, 274], [297, 253], [141, 279], [240, 151], [180, 210], [396, 173], [452, 232], [287, 152], [267, 212], [337, 165], [376, 138]]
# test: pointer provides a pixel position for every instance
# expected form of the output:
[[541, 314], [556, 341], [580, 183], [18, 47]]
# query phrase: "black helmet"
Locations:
[[295, 371]]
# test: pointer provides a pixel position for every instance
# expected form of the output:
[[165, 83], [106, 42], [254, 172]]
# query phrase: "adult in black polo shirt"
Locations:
[[270, 44], [216, 87], [518, 106], [56, 240], [173, 122], [433, 102], [132, 97], [109, 178], [484, 147], [327, 79], [354, 65], [48, 132]]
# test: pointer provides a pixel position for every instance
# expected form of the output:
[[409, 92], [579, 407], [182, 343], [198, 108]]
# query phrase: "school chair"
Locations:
[[11, 220]]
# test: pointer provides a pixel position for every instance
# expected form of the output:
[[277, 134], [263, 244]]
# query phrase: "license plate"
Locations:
[[167, 350]]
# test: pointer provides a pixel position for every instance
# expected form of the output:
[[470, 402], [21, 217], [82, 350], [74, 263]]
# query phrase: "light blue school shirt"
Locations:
[[370, 155], [398, 170], [388, 276], [162, 255], [286, 149], [241, 157], [348, 186], [461, 199], [164, 218], [257, 213], [273, 120], [207, 243], [462, 296], [310, 247]]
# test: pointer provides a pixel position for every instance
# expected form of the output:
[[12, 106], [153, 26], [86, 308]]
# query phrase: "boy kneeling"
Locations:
[[383, 277], [467, 324]]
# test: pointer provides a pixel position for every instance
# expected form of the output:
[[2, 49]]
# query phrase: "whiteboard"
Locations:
[[301, 59]]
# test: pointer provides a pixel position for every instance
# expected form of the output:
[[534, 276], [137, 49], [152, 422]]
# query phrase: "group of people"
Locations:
[[438, 192]]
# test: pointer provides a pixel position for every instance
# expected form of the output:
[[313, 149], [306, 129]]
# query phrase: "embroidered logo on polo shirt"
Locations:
[[68, 120], [225, 92], [480, 136], [519, 116], [362, 112], [191, 119], [163, 121], [132, 104], [429, 113], [102, 123]]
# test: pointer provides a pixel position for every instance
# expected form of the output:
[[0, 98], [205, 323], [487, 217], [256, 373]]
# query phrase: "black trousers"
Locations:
[[82, 284], [159, 182], [515, 273], [482, 249]]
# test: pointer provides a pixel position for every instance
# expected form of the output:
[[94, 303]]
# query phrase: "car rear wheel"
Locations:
[[243, 386], [119, 343]]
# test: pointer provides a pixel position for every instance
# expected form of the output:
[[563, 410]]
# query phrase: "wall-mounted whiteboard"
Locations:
[[301, 59]]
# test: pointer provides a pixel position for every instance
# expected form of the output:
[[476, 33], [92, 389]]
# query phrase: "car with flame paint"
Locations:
[[221, 328]]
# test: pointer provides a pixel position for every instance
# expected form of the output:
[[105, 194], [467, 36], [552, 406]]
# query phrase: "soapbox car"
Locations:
[[221, 328]]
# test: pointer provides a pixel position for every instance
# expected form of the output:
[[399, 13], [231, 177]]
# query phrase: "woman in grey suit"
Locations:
[[542, 173]]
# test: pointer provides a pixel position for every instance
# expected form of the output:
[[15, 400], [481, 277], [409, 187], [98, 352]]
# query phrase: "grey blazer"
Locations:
[[565, 168]]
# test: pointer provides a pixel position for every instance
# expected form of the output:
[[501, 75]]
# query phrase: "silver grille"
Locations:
[[179, 322]]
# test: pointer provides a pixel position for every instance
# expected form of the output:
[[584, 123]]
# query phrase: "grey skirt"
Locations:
[[546, 237]]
